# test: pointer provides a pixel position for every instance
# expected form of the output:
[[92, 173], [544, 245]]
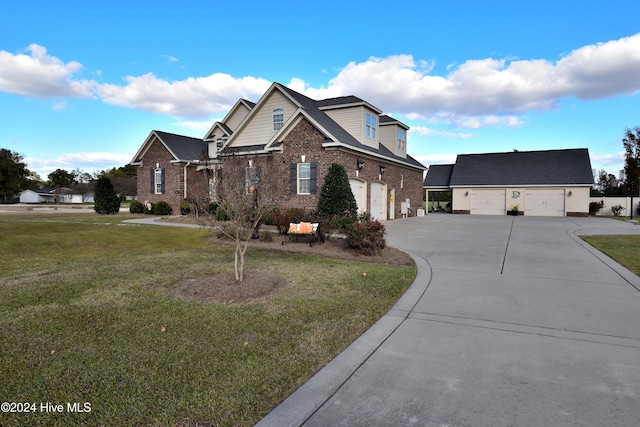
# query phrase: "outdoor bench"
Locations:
[[300, 230]]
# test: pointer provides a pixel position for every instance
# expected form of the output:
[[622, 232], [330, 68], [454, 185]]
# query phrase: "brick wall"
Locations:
[[306, 140], [174, 183]]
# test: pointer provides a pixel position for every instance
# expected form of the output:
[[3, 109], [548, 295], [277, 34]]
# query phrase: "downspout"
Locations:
[[185, 180]]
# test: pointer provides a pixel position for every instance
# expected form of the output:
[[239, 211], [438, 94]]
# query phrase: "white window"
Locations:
[[158, 175], [278, 118], [402, 140], [220, 143], [371, 123], [304, 178]]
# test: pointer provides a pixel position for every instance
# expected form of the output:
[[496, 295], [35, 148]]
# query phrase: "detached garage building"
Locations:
[[537, 183]]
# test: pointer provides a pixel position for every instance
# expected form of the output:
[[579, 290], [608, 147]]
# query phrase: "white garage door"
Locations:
[[359, 190], [488, 202], [378, 200], [544, 202]]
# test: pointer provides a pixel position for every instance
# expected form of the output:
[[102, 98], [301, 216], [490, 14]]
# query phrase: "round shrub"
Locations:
[[136, 207], [266, 236], [162, 208], [221, 214], [367, 235]]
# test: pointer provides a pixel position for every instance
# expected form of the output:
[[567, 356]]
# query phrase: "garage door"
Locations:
[[359, 190], [544, 202], [378, 200], [488, 202]]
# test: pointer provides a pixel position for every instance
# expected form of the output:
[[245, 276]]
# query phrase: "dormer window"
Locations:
[[371, 123], [220, 143], [278, 119], [402, 140]]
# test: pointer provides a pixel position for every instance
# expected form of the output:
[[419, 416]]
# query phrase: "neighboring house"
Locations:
[[538, 183], [305, 136], [48, 195]]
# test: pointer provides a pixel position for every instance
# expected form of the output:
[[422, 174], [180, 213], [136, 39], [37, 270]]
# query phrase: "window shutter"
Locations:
[[293, 178], [314, 178], [162, 181], [152, 176]]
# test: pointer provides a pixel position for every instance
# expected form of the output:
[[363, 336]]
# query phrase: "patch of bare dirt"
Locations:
[[225, 289]]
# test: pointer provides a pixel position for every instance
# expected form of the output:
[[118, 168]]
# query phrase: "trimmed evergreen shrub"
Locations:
[[136, 207], [106, 199], [162, 208], [336, 197], [221, 214]]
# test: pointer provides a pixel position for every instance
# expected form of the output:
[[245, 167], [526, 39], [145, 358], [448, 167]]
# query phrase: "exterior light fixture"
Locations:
[[360, 164], [382, 169], [466, 194], [569, 194]]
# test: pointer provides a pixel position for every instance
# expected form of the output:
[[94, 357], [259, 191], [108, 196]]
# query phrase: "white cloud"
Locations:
[[422, 130], [489, 87], [40, 75], [61, 105], [170, 58], [473, 94], [608, 159], [194, 97], [82, 160], [195, 125], [437, 159]]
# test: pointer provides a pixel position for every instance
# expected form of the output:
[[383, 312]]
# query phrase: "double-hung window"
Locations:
[[371, 124], [278, 118], [304, 178], [402, 140], [158, 181]]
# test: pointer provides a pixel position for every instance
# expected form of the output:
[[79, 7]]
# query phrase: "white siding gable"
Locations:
[[353, 119], [259, 130], [389, 138], [236, 116]]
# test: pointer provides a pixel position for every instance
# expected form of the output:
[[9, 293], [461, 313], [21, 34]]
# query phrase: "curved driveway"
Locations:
[[511, 321]]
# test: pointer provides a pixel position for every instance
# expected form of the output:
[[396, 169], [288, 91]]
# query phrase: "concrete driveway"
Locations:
[[512, 321]]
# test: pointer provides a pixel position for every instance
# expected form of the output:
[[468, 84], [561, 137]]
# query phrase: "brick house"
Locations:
[[305, 136]]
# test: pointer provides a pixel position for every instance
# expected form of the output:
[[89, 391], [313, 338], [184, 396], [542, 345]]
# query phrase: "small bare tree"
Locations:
[[245, 188]]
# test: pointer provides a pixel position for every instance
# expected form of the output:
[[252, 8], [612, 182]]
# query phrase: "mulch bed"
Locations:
[[224, 288]]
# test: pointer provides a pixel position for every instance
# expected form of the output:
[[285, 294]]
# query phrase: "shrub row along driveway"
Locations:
[[511, 321]]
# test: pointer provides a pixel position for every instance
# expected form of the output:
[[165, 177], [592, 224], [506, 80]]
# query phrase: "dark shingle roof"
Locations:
[[438, 176], [184, 147], [552, 167], [340, 100]]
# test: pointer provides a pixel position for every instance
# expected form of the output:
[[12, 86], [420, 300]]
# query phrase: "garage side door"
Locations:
[[544, 202], [488, 202]]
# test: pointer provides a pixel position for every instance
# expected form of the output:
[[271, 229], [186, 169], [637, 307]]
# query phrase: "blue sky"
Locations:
[[83, 83]]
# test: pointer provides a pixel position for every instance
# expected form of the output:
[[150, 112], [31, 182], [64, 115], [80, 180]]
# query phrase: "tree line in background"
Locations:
[[15, 177]]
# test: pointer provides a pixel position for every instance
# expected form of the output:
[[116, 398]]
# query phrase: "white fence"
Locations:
[[625, 202]]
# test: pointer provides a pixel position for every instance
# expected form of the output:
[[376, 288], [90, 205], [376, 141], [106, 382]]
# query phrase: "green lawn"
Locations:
[[622, 248], [85, 316]]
